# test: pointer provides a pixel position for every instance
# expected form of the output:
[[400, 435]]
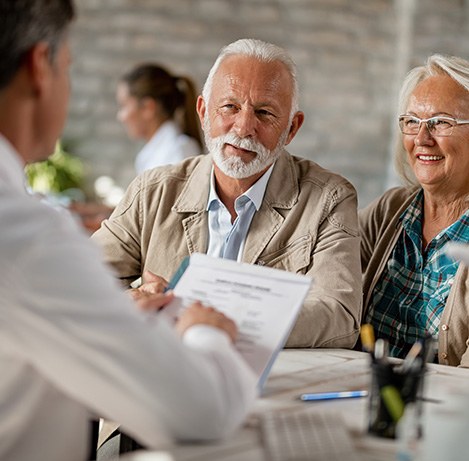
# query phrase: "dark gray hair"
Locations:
[[23, 24], [264, 52], [452, 66]]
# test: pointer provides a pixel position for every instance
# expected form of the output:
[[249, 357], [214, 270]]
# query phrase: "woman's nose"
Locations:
[[424, 136]]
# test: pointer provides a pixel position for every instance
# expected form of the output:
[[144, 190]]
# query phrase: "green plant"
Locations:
[[60, 172]]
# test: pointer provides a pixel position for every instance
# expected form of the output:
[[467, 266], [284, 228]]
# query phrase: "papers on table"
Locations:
[[264, 303]]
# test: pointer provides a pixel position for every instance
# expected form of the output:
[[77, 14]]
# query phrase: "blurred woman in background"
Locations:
[[161, 109]]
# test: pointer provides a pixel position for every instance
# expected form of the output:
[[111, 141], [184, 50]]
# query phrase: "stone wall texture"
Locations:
[[349, 54]]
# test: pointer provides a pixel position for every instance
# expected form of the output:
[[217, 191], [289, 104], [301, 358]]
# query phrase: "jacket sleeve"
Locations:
[[375, 219], [119, 237], [331, 313], [366, 219]]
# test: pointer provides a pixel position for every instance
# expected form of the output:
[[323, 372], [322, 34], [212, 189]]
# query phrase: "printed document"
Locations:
[[263, 302]]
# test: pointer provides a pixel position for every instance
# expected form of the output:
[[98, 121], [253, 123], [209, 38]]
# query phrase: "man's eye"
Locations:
[[228, 108], [264, 113]]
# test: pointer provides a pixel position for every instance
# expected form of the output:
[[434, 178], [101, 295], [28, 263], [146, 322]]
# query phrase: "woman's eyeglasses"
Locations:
[[437, 126]]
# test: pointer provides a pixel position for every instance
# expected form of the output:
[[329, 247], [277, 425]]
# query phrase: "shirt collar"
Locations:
[[255, 193], [12, 170], [167, 128], [411, 218]]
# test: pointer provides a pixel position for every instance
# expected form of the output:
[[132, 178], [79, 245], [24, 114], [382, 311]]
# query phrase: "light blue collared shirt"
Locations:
[[226, 240]]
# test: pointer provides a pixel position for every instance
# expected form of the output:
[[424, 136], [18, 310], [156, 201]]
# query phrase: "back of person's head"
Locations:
[[437, 64], [173, 93], [262, 51], [23, 24]]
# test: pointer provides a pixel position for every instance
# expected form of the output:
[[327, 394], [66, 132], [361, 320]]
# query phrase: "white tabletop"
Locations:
[[314, 370]]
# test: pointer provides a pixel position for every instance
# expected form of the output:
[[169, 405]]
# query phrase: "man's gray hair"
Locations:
[[454, 67], [264, 52]]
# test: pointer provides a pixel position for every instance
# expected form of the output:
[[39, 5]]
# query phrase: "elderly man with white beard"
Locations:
[[248, 199]]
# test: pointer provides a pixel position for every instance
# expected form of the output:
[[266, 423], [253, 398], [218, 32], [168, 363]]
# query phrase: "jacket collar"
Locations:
[[194, 195], [282, 190], [281, 193]]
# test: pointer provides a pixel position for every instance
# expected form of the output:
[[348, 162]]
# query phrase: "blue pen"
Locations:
[[178, 274], [332, 395]]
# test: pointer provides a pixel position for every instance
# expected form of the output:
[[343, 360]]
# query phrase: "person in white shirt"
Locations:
[[151, 103], [72, 345]]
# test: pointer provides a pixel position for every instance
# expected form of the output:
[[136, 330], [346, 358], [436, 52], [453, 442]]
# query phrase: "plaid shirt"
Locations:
[[411, 293]]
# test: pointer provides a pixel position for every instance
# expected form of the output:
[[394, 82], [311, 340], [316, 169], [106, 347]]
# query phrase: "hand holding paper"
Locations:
[[197, 314], [263, 302]]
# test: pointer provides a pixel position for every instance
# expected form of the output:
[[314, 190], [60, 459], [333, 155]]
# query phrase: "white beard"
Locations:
[[234, 166]]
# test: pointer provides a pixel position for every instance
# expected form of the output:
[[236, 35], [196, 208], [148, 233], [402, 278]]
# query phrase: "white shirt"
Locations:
[[220, 229], [167, 146], [73, 346]]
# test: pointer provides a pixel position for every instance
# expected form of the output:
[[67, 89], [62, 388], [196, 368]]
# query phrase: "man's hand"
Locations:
[[152, 284], [151, 301], [197, 314]]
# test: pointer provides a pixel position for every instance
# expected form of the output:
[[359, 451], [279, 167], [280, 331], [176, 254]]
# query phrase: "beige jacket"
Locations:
[[380, 230], [307, 224]]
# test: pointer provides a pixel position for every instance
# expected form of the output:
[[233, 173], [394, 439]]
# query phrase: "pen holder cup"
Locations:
[[391, 391]]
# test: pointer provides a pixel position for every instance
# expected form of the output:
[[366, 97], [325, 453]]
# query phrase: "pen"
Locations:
[[429, 400], [428, 348], [410, 358], [367, 337], [393, 401], [178, 274], [332, 395], [381, 350]]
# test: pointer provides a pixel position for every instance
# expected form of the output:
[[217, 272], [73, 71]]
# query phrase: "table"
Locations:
[[315, 370]]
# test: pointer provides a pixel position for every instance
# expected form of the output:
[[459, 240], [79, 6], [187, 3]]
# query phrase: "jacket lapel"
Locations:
[[193, 201], [281, 193]]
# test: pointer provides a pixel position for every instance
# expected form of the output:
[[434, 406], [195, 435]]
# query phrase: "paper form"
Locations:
[[263, 302]]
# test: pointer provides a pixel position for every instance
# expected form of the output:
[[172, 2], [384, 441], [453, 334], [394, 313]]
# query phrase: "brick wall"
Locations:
[[347, 52]]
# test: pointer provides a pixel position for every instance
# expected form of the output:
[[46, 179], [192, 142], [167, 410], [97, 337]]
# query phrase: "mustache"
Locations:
[[242, 143]]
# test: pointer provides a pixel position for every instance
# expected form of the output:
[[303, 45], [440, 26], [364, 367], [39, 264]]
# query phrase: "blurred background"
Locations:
[[351, 57]]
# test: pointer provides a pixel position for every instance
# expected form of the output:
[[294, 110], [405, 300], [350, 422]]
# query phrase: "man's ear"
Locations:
[[201, 109], [38, 66], [296, 123]]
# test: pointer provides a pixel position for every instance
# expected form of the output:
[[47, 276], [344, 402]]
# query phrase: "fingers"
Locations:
[[197, 314], [196, 305], [149, 276], [152, 283], [153, 301]]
